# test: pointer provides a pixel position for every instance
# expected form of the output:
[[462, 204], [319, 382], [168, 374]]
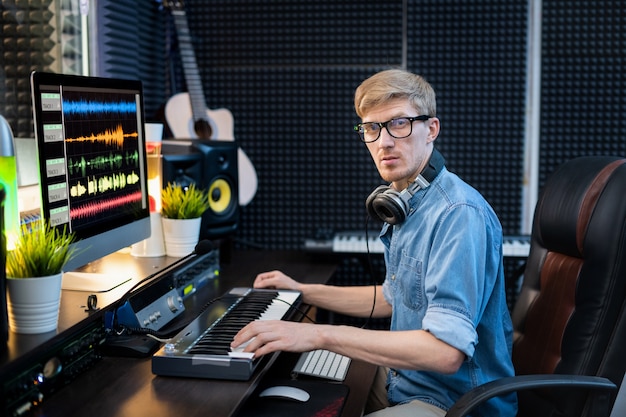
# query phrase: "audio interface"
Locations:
[[162, 300], [196, 273], [29, 385]]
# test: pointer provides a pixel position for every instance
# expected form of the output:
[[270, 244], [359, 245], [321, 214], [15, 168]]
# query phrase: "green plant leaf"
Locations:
[[40, 250], [180, 203]]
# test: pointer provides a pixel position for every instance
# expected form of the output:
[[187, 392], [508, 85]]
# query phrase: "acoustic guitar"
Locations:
[[188, 116]]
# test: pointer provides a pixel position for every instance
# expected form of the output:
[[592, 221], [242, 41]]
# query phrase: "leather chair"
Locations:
[[570, 344]]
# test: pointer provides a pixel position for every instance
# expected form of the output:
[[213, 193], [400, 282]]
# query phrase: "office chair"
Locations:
[[569, 348]]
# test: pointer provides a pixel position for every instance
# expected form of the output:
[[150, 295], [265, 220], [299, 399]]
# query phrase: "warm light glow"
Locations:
[[154, 182]]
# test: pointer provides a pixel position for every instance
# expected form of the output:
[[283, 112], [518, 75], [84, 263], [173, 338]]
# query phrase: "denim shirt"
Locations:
[[445, 275]]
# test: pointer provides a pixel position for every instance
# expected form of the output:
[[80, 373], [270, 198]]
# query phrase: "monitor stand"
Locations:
[[92, 281]]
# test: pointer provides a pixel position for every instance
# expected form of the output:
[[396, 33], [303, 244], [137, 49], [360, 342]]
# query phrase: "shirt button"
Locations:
[[393, 277]]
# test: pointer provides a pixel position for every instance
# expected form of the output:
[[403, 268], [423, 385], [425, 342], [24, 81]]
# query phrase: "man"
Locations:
[[444, 285]]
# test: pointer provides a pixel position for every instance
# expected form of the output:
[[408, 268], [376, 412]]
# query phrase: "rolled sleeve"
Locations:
[[453, 328]]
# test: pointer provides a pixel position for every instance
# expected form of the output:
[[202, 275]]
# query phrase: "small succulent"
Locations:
[[178, 202]]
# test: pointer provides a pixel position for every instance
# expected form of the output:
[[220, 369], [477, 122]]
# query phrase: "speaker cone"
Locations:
[[220, 197]]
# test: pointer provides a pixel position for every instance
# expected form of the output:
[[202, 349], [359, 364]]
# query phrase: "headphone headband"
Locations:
[[434, 166]]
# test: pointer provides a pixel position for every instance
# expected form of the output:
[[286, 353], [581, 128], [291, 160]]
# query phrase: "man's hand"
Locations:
[[276, 279], [265, 336]]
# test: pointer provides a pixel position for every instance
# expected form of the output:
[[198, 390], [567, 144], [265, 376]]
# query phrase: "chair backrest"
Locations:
[[569, 317]]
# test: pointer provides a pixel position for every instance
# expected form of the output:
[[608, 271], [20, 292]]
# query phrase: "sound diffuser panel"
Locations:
[[474, 54], [583, 81], [27, 30]]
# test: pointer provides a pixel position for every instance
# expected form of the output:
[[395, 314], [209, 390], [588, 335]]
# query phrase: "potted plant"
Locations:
[[34, 270], [181, 212]]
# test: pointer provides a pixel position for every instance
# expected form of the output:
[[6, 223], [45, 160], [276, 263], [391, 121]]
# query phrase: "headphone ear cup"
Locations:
[[390, 207], [386, 204], [369, 203]]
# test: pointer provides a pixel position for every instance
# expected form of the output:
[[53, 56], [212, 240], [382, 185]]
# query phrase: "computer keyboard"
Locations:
[[323, 364]]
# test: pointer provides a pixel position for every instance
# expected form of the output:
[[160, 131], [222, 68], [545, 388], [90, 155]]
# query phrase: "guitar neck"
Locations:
[[190, 67]]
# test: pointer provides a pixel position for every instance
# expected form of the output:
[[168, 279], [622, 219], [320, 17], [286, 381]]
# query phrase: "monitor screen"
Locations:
[[92, 165]]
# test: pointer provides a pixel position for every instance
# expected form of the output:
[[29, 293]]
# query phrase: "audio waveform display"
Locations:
[[104, 184], [110, 137], [86, 107], [92, 160], [98, 208], [110, 162]]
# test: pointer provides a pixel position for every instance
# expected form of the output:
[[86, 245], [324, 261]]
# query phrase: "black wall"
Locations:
[[287, 70]]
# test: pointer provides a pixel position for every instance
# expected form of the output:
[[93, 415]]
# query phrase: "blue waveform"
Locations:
[[90, 107]]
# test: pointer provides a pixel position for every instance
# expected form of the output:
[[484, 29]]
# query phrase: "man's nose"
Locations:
[[385, 140]]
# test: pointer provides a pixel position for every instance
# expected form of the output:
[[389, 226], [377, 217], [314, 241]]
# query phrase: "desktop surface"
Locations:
[[122, 386]]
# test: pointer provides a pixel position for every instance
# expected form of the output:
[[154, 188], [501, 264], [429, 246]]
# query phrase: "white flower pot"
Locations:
[[33, 303], [180, 235]]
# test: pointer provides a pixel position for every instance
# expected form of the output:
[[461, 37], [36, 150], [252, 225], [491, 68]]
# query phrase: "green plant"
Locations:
[[180, 203], [40, 250]]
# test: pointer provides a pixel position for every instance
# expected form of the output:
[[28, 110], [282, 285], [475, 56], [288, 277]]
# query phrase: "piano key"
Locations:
[[241, 355]]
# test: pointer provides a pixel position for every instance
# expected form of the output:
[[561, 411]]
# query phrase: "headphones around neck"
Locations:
[[392, 206]]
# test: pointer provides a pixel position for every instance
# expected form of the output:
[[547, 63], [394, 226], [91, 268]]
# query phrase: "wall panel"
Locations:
[[583, 85]]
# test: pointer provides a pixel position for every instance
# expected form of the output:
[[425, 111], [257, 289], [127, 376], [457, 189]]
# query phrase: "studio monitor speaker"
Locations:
[[212, 166], [181, 163], [220, 179]]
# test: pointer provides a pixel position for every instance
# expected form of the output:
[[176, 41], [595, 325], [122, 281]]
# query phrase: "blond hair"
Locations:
[[392, 84]]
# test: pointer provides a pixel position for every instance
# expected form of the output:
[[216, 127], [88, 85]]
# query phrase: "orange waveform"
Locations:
[[109, 137]]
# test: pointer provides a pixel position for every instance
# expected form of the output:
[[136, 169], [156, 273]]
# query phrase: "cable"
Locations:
[[202, 247], [302, 313], [372, 273]]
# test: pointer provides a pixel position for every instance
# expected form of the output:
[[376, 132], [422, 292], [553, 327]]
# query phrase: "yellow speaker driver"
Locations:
[[220, 196]]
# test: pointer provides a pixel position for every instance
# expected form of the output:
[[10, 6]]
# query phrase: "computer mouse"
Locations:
[[286, 392]]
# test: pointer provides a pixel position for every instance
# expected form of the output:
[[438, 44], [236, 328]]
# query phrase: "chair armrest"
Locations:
[[472, 399]]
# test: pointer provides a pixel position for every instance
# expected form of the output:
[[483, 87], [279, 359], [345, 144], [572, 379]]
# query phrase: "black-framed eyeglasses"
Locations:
[[398, 128]]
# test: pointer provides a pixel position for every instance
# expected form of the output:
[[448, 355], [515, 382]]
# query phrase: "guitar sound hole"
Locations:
[[203, 129]]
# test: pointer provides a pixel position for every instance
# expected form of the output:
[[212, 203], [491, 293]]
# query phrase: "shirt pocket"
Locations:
[[410, 278]]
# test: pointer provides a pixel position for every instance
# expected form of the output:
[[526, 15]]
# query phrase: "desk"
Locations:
[[117, 386]]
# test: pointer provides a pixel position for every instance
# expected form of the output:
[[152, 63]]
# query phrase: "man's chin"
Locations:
[[389, 175]]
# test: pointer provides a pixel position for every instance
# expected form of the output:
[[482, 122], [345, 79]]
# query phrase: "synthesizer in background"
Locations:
[[355, 242]]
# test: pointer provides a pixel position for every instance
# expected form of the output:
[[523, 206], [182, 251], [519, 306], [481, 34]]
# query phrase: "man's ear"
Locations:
[[433, 129]]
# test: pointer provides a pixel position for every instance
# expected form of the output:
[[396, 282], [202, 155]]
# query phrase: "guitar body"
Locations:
[[186, 113], [179, 117]]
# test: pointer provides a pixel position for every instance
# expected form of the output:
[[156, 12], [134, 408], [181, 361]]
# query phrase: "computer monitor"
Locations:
[[92, 167]]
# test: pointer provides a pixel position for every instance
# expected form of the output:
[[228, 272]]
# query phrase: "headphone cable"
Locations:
[[371, 271]]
